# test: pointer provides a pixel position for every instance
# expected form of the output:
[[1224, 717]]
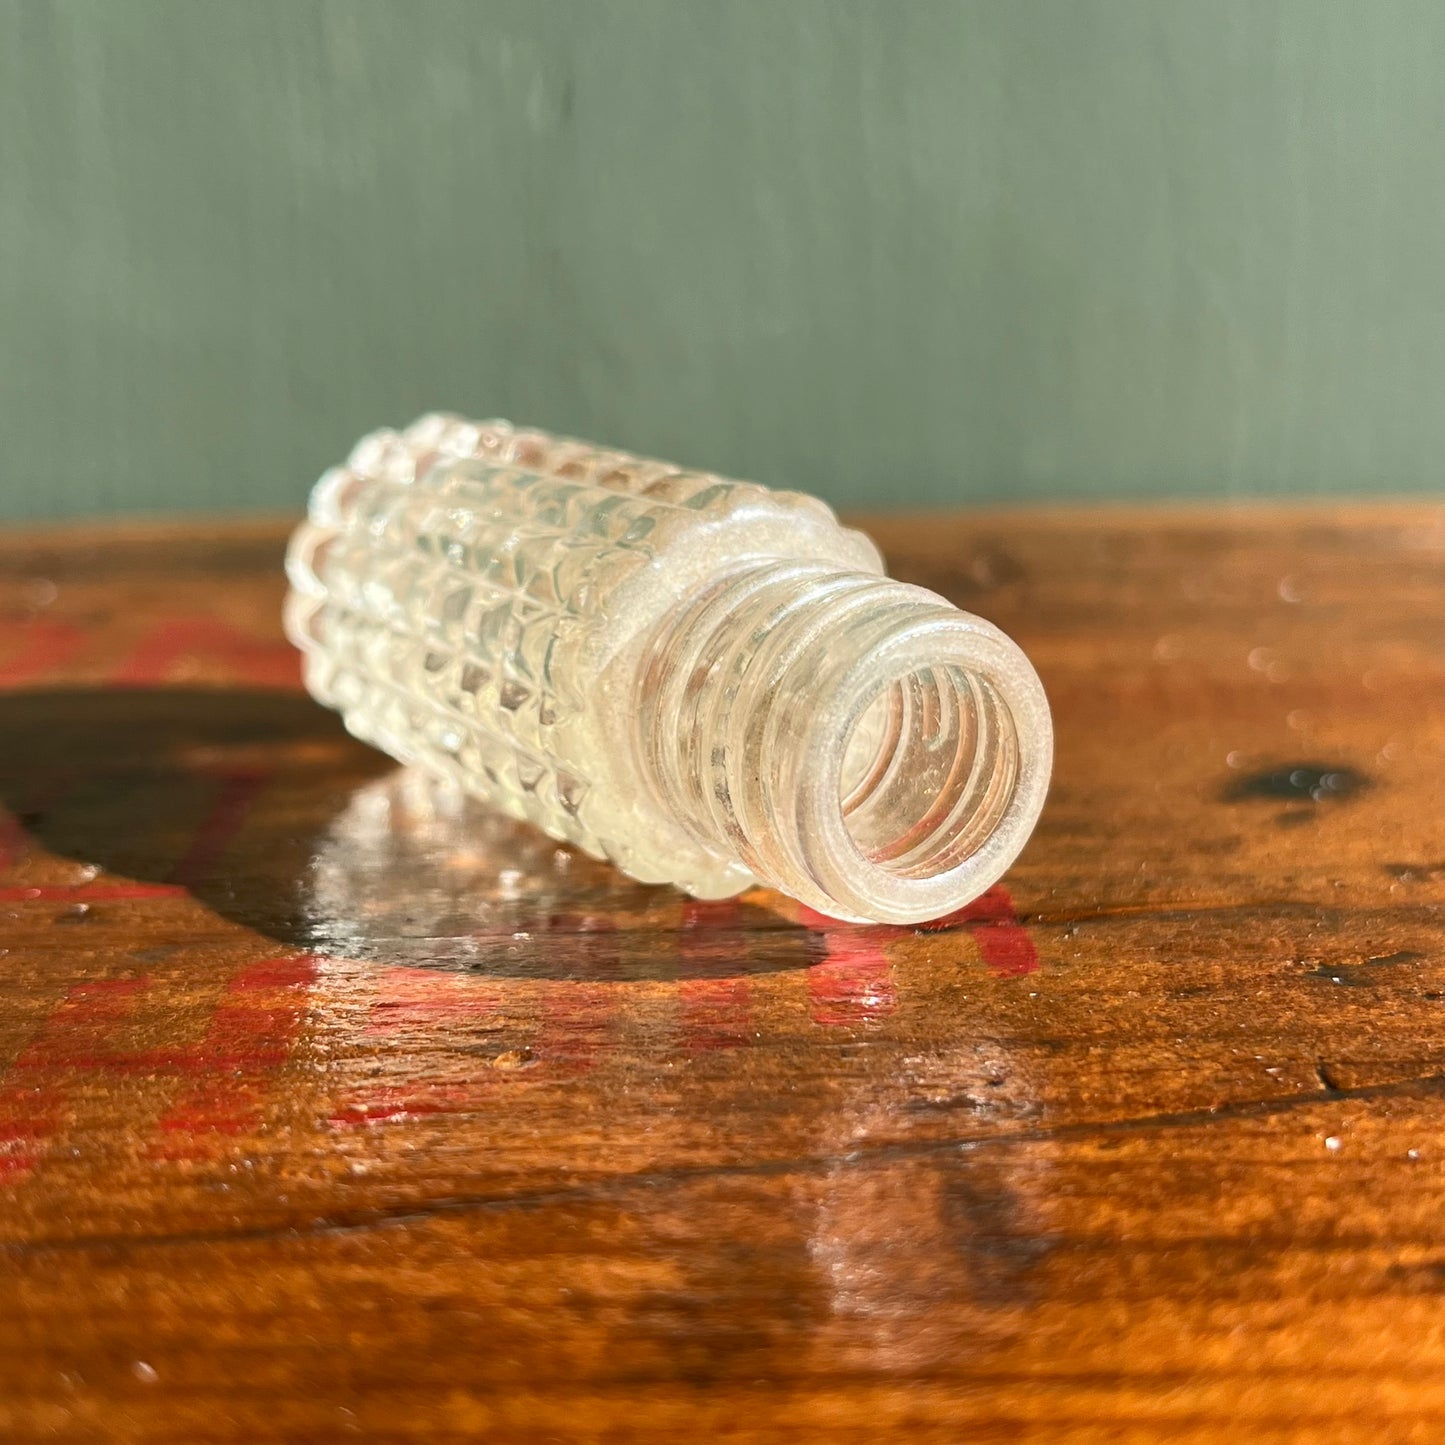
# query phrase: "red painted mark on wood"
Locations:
[[716, 1013], [577, 1024], [993, 921], [44, 645], [413, 998], [412, 1001], [252, 1033], [175, 641], [854, 982], [235, 793], [244, 1033], [32, 1110], [388, 1103]]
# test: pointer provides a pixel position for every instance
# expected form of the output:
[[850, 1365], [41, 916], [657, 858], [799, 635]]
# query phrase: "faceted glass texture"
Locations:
[[706, 681]]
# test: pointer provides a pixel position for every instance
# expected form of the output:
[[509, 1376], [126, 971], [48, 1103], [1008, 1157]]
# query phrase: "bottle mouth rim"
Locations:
[[983, 824]]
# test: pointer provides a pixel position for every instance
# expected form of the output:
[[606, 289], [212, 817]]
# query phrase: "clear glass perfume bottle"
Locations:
[[708, 682]]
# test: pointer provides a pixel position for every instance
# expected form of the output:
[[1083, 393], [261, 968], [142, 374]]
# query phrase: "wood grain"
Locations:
[[325, 1111]]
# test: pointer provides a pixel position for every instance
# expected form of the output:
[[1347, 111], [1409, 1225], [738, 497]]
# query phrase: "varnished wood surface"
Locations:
[[327, 1114]]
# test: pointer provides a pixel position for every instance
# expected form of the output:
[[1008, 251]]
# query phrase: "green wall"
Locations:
[[903, 252]]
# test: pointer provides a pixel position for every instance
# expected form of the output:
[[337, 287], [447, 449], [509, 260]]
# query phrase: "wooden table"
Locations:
[[325, 1113]]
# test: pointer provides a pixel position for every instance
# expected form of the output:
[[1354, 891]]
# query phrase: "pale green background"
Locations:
[[903, 252]]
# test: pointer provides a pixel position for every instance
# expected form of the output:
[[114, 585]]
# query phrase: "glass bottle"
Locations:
[[708, 682]]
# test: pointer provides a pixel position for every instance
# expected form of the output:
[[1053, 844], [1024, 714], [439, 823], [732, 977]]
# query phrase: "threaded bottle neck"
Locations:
[[859, 743]]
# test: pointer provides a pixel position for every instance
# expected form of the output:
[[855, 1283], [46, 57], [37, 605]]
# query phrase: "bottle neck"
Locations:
[[858, 743]]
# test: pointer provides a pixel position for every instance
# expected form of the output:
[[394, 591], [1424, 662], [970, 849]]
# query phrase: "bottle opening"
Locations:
[[856, 742], [929, 769]]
